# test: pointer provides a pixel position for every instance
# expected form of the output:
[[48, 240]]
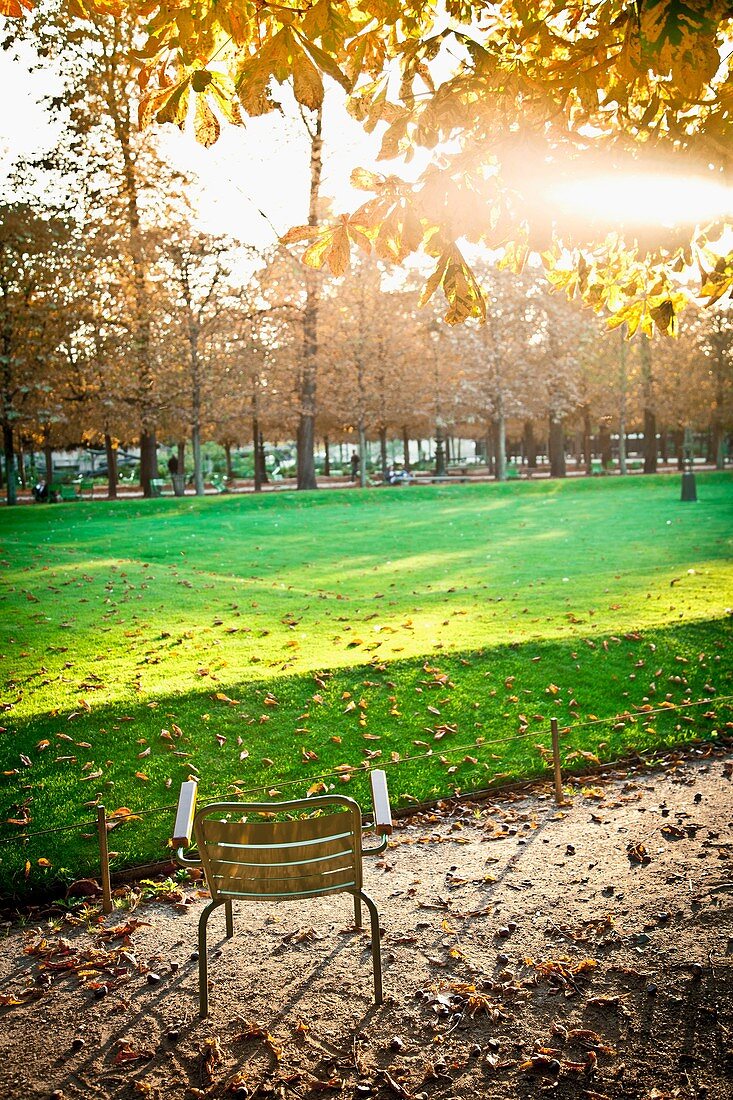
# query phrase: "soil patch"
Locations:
[[528, 950]]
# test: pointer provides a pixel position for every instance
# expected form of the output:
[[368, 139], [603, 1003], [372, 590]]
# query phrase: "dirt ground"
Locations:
[[528, 951]]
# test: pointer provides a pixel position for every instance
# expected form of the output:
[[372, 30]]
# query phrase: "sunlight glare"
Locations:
[[643, 199]]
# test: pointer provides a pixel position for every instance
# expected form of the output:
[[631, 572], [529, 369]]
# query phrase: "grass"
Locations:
[[274, 638]]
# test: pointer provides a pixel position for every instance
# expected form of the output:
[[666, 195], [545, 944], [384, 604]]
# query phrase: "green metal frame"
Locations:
[[244, 809]]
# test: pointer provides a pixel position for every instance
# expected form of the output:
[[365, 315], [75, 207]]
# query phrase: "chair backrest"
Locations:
[[301, 857]]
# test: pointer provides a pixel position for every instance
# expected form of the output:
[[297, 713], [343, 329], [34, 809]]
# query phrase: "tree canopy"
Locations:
[[511, 97]]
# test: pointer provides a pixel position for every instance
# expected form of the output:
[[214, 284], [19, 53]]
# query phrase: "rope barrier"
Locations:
[[446, 750], [650, 713]]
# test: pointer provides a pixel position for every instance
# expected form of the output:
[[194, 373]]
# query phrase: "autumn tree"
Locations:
[[312, 116], [367, 338], [717, 346], [111, 172], [498, 356], [515, 88], [197, 268], [258, 347], [34, 257]]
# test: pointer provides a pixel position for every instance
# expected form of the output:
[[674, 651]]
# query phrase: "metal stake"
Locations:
[[556, 761], [104, 860]]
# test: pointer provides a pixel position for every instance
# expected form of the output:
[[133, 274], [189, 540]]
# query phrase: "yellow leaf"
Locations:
[[13, 9], [253, 88], [340, 251], [364, 180], [225, 101], [206, 126], [327, 64], [300, 233], [307, 83], [434, 281], [315, 256]]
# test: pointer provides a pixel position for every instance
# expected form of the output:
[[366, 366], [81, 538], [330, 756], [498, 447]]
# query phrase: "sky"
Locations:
[[254, 180], [262, 166]]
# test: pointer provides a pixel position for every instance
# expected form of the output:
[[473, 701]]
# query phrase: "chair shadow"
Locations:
[[152, 1012]]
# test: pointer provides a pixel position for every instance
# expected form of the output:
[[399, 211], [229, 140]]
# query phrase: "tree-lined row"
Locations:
[[523, 109], [226, 359], [122, 325]]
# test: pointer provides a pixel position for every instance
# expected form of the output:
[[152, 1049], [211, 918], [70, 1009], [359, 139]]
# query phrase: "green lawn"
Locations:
[[267, 640]]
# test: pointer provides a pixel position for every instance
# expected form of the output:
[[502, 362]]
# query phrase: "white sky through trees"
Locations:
[[260, 166], [263, 166]]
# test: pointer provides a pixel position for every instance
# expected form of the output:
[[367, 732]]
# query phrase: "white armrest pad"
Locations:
[[380, 801], [184, 815]]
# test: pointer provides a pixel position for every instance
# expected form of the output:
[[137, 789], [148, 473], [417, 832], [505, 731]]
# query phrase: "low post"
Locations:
[[104, 860], [556, 761]]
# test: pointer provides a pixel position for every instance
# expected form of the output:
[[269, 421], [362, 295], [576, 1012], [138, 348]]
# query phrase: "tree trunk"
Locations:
[[604, 445], [383, 452], [448, 449], [228, 461], [145, 380], [198, 472], [500, 437], [489, 446], [622, 402], [556, 446], [530, 445], [193, 342], [182, 458], [48, 456], [148, 460], [261, 458], [362, 456], [587, 441], [678, 441], [650, 419], [326, 458], [9, 455], [650, 441], [110, 449], [717, 436], [405, 450], [306, 423], [721, 370], [21, 465], [256, 454]]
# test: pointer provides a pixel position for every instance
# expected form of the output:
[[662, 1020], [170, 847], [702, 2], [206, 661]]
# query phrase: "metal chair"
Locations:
[[306, 856]]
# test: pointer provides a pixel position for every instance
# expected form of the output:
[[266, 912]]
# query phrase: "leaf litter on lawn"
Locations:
[[582, 973]]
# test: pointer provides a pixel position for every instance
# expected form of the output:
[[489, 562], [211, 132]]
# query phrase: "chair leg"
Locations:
[[203, 965], [376, 947], [230, 919], [357, 911]]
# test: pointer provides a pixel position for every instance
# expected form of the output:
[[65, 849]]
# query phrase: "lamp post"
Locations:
[[689, 488]]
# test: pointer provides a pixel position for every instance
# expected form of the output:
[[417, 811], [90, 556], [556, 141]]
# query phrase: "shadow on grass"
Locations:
[[442, 726]]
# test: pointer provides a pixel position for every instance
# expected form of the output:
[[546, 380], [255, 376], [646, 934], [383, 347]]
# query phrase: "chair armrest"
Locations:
[[183, 827], [380, 801]]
